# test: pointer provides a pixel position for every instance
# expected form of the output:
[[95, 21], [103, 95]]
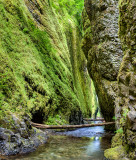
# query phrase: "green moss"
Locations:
[[117, 140], [116, 153], [127, 72], [94, 101], [36, 66], [69, 9], [56, 120]]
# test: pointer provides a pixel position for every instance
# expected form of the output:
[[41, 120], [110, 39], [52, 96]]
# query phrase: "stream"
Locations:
[[79, 144]]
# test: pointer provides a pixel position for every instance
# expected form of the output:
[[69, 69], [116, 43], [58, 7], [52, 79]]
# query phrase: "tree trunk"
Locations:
[[89, 119], [69, 126]]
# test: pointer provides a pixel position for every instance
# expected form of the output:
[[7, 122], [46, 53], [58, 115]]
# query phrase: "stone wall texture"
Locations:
[[127, 75], [102, 48], [109, 45]]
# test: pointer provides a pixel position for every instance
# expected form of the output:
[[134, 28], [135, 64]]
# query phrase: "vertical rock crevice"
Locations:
[[102, 48]]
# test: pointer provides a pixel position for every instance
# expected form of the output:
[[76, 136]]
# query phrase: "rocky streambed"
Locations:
[[79, 144]]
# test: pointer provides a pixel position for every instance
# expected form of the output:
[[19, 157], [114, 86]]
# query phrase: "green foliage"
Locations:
[[120, 130], [124, 116], [3, 79], [73, 7], [56, 120], [125, 112], [39, 78], [114, 118], [38, 72], [70, 9], [5, 84], [3, 88], [25, 30]]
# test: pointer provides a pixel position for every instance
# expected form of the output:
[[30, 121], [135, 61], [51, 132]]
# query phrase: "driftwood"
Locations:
[[69, 126], [89, 119]]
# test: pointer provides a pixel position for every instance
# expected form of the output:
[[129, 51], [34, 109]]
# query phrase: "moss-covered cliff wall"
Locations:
[[102, 49], [127, 77], [42, 68], [109, 47], [126, 133], [43, 71]]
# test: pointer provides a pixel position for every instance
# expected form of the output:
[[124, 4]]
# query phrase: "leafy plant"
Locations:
[[72, 7], [120, 130], [125, 112], [56, 120], [114, 118]]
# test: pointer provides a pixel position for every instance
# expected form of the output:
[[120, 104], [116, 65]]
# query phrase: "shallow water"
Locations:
[[80, 144]]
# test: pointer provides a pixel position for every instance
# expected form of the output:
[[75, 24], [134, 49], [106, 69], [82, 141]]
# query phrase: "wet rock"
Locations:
[[103, 51], [76, 118], [19, 145], [20, 138], [117, 153], [127, 74], [132, 120], [112, 65], [117, 140]]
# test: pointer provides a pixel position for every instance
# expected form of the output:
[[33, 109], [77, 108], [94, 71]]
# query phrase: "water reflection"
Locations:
[[94, 148], [81, 144]]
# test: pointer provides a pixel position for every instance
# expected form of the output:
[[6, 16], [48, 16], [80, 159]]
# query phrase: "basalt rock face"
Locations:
[[126, 102], [112, 66], [127, 75], [20, 138], [103, 51]]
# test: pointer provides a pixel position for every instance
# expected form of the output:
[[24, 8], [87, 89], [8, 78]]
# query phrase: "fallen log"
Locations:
[[41, 126], [89, 119]]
